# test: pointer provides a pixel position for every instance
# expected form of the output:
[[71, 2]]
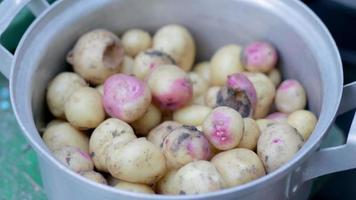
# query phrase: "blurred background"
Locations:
[[20, 177]]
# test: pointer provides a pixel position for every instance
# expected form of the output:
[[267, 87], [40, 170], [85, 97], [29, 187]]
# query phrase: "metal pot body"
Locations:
[[307, 53]]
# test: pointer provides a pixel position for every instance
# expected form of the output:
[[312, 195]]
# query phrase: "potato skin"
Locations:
[[198, 177], [265, 91], [170, 86], [211, 96], [176, 41], [133, 187], [74, 159], [290, 96], [167, 184], [203, 70], [84, 108], [259, 56], [223, 127], [250, 134], [224, 62], [96, 55], [304, 121], [60, 89], [146, 61], [148, 121], [199, 84], [94, 176], [58, 136], [136, 40], [238, 166], [138, 161], [275, 76], [157, 135], [185, 144], [278, 144], [193, 115], [127, 65], [126, 97], [278, 117], [104, 135]]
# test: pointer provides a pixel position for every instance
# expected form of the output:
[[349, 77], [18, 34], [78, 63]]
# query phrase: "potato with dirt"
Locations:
[[74, 159], [250, 134], [176, 41], [94, 176], [259, 56], [239, 94], [157, 135], [84, 108], [265, 91], [304, 121], [148, 121], [138, 161], [238, 166], [146, 61], [278, 144], [225, 61], [185, 144], [60, 89], [104, 135], [170, 86], [224, 128], [62, 134], [198, 177], [135, 40], [126, 97], [96, 55], [193, 115], [133, 187], [290, 96]]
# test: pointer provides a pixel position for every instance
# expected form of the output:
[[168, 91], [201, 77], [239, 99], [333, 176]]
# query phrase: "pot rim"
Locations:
[[281, 172]]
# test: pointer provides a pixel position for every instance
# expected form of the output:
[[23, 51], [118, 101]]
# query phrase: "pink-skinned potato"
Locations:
[[259, 57]]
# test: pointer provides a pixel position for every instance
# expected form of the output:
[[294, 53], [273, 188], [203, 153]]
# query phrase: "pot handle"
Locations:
[[339, 158], [8, 11]]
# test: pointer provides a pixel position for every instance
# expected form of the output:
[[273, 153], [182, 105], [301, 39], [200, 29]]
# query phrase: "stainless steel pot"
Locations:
[[308, 54]]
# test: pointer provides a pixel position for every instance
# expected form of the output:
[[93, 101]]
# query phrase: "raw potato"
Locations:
[[277, 145], [211, 96], [200, 85], [290, 96], [265, 93], [157, 135], [138, 161], [176, 41], [97, 55], [84, 108], [264, 123], [104, 135], [60, 89], [127, 65], [112, 181], [185, 144], [278, 117], [199, 100], [203, 70], [198, 177], [54, 122], [148, 121], [239, 94], [74, 159], [100, 89], [304, 121], [224, 128], [238, 166], [170, 87], [275, 76], [250, 135], [126, 97], [193, 115], [147, 61], [259, 57], [134, 187], [167, 184], [224, 62], [135, 41], [94, 176], [62, 135]]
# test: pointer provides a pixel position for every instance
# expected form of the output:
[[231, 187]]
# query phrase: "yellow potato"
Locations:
[[304, 121], [148, 121], [193, 115], [275, 76], [290, 96], [203, 69], [167, 184], [200, 85], [74, 159], [94, 176], [250, 135], [136, 40], [157, 135], [127, 65], [133, 187], [211, 95]]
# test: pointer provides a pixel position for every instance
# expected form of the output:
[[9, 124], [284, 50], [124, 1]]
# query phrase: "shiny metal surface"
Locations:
[[308, 53]]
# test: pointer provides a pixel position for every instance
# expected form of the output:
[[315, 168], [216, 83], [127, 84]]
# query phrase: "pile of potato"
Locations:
[[137, 115]]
